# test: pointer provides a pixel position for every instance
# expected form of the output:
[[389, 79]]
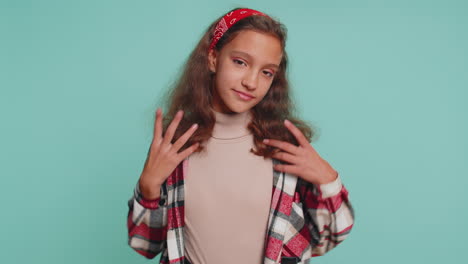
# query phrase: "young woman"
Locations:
[[234, 179]]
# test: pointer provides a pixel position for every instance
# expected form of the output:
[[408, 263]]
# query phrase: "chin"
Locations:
[[239, 109]]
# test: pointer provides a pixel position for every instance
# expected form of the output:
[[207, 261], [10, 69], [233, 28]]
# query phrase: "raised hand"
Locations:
[[163, 156], [304, 161]]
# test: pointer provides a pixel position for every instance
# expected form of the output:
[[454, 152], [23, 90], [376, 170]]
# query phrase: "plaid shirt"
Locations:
[[304, 221]]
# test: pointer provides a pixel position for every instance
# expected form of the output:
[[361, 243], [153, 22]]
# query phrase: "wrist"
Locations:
[[149, 191], [330, 188], [328, 178]]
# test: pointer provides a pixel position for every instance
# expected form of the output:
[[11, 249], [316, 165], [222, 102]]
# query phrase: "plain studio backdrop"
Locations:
[[384, 81]]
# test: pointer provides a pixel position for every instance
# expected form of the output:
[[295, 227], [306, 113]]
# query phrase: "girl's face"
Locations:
[[244, 70]]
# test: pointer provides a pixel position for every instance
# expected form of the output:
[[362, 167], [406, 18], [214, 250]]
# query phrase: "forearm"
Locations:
[[330, 209], [146, 224]]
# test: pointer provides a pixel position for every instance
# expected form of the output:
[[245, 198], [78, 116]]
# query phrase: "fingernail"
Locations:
[[287, 122], [194, 125], [265, 141]]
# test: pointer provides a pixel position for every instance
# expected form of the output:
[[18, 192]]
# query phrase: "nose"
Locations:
[[250, 80]]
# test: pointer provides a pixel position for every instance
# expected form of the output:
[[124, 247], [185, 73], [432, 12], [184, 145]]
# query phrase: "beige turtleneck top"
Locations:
[[227, 196]]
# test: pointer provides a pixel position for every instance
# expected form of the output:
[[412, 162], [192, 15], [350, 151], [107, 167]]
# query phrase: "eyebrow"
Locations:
[[250, 57]]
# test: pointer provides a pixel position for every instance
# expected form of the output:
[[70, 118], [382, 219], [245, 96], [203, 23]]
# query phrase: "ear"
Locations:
[[212, 60]]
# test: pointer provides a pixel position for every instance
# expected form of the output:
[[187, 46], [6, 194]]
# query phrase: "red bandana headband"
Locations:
[[229, 20]]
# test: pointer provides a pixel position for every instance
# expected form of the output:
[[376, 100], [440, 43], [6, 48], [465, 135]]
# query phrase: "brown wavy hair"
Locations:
[[192, 93]]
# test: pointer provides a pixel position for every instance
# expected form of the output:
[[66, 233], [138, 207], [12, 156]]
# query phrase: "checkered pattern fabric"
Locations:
[[305, 220]]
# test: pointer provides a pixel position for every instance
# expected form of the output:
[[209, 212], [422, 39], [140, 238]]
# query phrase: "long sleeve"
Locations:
[[147, 223], [330, 214]]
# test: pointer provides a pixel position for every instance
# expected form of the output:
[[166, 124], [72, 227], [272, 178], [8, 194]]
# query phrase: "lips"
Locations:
[[245, 95]]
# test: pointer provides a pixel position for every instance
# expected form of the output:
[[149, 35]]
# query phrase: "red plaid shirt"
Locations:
[[305, 220]]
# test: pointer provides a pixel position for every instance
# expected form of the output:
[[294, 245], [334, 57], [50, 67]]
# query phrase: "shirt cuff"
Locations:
[[332, 188]]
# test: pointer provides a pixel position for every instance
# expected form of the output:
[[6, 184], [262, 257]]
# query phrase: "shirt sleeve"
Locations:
[[147, 223], [330, 214]]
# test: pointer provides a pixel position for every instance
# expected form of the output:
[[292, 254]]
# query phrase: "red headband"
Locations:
[[230, 19]]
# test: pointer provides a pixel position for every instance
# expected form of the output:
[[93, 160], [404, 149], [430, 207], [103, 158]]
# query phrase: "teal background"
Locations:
[[385, 81]]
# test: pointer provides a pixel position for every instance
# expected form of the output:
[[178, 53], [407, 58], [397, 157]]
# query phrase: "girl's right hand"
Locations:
[[163, 158]]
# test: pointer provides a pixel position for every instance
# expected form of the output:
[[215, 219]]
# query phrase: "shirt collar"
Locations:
[[229, 126]]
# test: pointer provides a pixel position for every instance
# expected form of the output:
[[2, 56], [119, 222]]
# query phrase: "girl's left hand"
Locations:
[[305, 161]]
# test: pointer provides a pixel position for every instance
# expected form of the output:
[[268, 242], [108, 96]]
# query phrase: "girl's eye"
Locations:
[[239, 62], [269, 74], [236, 61]]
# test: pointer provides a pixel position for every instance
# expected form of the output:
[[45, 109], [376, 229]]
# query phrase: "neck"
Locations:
[[229, 126]]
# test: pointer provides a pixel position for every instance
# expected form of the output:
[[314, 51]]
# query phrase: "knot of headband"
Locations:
[[228, 20]]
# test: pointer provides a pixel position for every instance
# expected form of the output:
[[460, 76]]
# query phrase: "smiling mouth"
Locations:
[[243, 96]]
